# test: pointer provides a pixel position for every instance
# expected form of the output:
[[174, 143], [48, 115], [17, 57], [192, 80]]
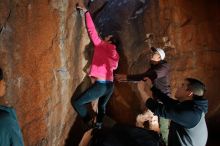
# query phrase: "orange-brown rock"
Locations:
[[41, 51], [44, 52]]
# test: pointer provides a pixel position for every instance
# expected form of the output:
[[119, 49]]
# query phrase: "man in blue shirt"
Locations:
[[187, 113], [10, 133]]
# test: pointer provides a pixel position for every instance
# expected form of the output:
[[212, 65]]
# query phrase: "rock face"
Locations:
[[41, 50], [45, 51]]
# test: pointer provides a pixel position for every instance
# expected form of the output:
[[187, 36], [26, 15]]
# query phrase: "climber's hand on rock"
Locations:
[[81, 7]]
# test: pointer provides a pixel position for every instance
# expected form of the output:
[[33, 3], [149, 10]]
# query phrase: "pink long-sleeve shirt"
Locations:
[[105, 59]]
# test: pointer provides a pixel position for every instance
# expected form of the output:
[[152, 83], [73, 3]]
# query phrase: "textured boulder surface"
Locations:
[[45, 52], [41, 51]]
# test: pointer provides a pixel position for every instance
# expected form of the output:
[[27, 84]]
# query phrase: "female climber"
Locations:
[[104, 62]]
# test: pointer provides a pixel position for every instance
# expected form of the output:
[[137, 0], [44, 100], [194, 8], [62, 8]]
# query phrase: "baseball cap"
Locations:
[[160, 51]]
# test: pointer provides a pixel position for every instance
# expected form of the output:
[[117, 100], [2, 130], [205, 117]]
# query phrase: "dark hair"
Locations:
[[114, 41], [1, 74], [114, 37], [153, 49], [196, 86]]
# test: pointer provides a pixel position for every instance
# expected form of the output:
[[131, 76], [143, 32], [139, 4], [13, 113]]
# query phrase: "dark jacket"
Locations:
[[159, 75], [10, 133], [188, 126]]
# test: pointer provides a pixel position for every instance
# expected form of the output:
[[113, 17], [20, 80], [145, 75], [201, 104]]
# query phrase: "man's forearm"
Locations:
[[156, 107], [137, 77], [163, 97]]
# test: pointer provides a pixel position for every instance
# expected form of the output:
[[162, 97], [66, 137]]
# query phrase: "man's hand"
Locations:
[[141, 87], [121, 77], [81, 6]]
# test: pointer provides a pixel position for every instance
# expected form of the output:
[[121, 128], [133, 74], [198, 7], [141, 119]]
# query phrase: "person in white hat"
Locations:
[[158, 73], [160, 52]]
